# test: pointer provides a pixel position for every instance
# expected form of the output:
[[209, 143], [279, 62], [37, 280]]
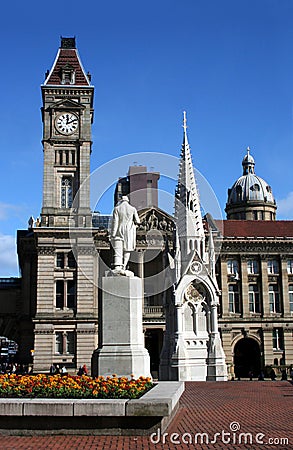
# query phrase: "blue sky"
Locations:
[[229, 64]]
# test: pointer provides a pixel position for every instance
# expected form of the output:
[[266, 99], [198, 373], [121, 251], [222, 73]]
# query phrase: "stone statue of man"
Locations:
[[123, 234]]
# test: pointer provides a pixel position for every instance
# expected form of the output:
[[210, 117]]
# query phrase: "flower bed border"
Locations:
[[144, 415]]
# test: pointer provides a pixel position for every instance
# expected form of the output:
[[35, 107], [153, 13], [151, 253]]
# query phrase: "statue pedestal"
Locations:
[[122, 351]]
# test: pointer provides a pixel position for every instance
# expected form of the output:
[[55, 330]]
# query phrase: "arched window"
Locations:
[[66, 192], [238, 193]]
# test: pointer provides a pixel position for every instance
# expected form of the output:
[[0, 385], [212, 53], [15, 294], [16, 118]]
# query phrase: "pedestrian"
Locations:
[[85, 371], [63, 371], [273, 374], [261, 376], [291, 374], [284, 375], [52, 369], [80, 371]]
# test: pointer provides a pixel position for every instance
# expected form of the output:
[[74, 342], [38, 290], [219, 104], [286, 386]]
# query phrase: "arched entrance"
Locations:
[[247, 358], [153, 344]]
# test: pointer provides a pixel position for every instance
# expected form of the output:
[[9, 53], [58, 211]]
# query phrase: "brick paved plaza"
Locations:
[[262, 410]]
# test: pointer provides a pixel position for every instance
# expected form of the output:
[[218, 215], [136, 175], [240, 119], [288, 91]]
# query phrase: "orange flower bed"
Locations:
[[72, 386]]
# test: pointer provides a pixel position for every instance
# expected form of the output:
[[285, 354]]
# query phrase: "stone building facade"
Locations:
[[62, 258]]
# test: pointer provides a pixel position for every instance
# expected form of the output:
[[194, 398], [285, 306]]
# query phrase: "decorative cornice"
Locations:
[[47, 251], [85, 250], [260, 247], [86, 331]]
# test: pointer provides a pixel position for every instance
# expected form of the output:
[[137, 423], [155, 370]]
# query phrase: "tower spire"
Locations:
[[187, 204]]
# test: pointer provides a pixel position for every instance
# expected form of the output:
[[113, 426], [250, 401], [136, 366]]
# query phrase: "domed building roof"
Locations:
[[250, 192]]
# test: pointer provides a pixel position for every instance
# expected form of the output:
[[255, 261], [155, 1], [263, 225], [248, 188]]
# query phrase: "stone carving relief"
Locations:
[[195, 293], [153, 220]]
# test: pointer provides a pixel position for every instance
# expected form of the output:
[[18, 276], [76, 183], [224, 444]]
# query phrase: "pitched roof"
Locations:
[[67, 57], [258, 228]]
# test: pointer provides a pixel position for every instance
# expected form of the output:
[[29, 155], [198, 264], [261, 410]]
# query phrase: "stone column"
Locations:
[[140, 262], [227, 345], [264, 287], [43, 346], [224, 288], [217, 368], [285, 287], [244, 288], [288, 345], [268, 346]]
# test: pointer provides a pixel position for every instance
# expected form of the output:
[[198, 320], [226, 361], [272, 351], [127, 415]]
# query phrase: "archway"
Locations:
[[247, 358], [153, 343]]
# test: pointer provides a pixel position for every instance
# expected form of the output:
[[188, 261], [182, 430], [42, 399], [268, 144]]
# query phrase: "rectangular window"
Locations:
[[254, 301], [71, 263], [232, 267], [65, 260], [65, 342], [278, 339], [59, 342], [273, 266], [70, 342], [252, 266], [60, 294], [65, 294], [234, 299], [291, 297], [71, 294], [60, 260], [274, 298], [290, 266]]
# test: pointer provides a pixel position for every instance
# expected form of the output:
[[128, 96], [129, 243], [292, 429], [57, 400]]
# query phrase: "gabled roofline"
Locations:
[[54, 64]]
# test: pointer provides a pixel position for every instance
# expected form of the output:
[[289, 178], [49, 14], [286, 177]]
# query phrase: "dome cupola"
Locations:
[[248, 163], [250, 197]]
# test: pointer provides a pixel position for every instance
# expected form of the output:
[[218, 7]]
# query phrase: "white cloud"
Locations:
[[285, 207], [8, 258], [6, 210]]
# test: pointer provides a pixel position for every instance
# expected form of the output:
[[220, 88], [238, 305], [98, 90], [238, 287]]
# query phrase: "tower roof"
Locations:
[[187, 203], [67, 68]]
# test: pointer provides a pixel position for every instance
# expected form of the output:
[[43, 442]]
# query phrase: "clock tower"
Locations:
[[64, 298], [67, 115]]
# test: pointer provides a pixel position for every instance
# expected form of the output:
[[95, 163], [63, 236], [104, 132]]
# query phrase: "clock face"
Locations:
[[66, 123]]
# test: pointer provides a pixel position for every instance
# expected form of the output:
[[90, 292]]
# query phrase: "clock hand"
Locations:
[[70, 121]]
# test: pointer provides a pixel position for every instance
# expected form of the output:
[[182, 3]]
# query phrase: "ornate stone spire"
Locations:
[[188, 217]]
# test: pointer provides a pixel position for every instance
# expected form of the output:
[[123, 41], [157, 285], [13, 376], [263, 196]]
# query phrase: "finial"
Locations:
[[184, 121], [248, 150]]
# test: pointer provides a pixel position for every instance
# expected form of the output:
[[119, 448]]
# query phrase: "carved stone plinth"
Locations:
[[122, 351]]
